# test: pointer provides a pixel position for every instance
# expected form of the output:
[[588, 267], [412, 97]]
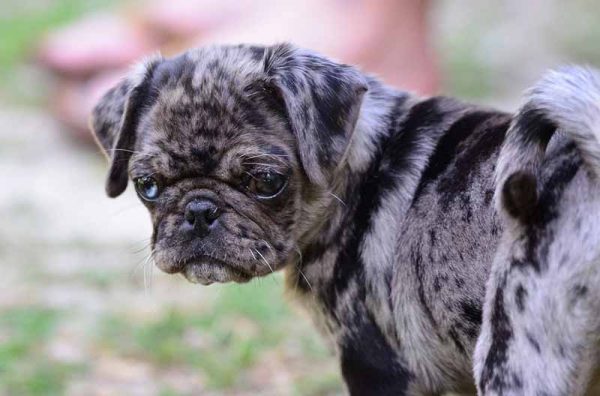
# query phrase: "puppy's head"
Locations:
[[232, 150]]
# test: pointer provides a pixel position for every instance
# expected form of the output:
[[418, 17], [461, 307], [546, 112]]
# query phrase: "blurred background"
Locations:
[[82, 310]]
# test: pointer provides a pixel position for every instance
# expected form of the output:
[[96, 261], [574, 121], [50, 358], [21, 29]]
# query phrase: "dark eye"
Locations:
[[147, 188], [267, 184]]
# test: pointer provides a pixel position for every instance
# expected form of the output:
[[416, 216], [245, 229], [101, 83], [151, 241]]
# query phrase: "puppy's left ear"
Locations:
[[115, 119], [322, 100]]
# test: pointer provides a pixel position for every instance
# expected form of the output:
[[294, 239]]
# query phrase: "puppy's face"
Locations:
[[232, 150]]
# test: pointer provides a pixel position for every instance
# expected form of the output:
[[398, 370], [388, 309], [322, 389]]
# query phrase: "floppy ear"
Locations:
[[322, 100], [115, 119]]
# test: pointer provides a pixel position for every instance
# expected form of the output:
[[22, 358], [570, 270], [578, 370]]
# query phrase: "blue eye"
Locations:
[[147, 188]]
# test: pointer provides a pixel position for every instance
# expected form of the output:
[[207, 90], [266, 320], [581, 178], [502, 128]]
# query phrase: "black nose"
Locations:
[[200, 216]]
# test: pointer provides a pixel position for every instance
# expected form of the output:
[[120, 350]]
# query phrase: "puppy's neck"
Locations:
[[382, 110]]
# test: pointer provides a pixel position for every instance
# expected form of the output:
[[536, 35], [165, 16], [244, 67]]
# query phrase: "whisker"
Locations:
[[274, 157], [338, 198], [265, 260], [140, 250], [305, 279], [136, 153], [148, 270], [143, 265], [299, 267], [268, 155], [297, 249], [258, 164], [137, 266], [125, 150], [253, 255]]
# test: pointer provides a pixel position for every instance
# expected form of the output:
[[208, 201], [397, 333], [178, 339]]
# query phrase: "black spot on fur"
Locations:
[[251, 115], [314, 252], [369, 365], [520, 297], [519, 196], [502, 333], [291, 82], [536, 235], [534, 127], [437, 286], [243, 231], [404, 138], [331, 104], [262, 248], [554, 186], [471, 312], [580, 290], [432, 237], [170, 71], [257, 52], [448, 146], [205, 159], [533, 342], [484, 141], [489, 195]]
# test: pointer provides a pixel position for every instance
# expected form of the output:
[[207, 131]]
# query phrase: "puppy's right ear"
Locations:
[[322, 100], [115, 119]]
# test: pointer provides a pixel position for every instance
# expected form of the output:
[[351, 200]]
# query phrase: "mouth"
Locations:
[[207, 270]]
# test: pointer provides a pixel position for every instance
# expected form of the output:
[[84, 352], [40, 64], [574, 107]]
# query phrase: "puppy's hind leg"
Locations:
[[541, 322], [540, 336]]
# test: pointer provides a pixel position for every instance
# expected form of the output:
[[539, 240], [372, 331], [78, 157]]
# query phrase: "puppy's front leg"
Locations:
[[370, 366]]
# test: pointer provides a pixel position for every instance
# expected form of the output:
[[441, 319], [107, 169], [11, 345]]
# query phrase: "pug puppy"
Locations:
[[378, 204]]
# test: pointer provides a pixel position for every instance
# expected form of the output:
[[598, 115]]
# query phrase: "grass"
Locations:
[[24, 367], [235, 332], [231, 336]]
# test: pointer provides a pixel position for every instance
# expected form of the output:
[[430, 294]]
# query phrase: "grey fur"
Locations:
[[386, 226]]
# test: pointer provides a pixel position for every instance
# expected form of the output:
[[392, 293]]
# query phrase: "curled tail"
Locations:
[[567, 100]]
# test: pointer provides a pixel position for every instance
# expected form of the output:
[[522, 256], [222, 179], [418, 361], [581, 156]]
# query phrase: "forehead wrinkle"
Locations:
[[212, 105], [216, 96]]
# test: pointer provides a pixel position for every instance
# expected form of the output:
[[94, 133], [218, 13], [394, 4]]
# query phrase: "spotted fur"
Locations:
[[386, 227]]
